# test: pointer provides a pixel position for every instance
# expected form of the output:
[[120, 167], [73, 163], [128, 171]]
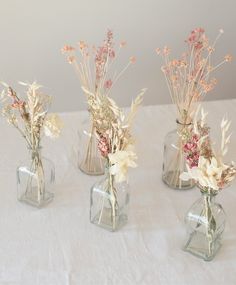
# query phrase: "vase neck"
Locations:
[[182, 124], [108, 175], [181, 127], [210, 197], [208, 193]]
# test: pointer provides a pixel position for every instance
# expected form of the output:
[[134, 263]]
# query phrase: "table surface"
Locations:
[[57, 245]]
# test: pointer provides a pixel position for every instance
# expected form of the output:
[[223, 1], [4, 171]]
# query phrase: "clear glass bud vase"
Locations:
[[34, 178], [109, 203], [90, 160], [205, 222], [173, 159]]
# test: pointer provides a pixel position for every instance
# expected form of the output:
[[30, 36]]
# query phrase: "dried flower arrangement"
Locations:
[[115, 141], [31, 119], [94, 68], [115, 144], [188, 79], [205, 164]]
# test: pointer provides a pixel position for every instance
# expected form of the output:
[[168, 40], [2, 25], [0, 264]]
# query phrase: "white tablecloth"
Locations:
[[57, 245]]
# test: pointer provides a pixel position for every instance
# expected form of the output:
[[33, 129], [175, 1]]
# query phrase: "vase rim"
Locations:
[[208, 190], [183, 124]]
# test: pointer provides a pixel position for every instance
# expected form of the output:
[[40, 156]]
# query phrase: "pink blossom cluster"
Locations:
[[197, 38], [67, 48], [192, 152], [103, 53], [108, 84], [103, 146], [17, 103], [208, 86]]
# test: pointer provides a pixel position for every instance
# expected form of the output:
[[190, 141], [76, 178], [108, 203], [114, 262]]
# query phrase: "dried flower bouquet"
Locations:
[[94, 68], [31, 119], [188, 79], [206, 166], [116, 145]]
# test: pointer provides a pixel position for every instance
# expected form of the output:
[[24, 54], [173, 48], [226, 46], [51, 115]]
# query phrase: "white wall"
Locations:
[[33, 32]]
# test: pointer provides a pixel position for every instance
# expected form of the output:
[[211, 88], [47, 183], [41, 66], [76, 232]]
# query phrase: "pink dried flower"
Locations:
[[210, 49], [158, 51], [71, 59], [228, 58], [192, 160], [174, 62], [67, 48], [132, 59], [197, 38], [112, 54], [123, 44], [102, 54], [207, 87], [108, 84], [18, 104], [165, 70], [82, 45], [191, 150], [166, 51], [109, 36], [103, 146], [195, 138]]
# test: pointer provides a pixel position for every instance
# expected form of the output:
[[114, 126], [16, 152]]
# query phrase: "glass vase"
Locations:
[[205, 222], [109, 203], [34, 178], [173, 159], [90, 160]]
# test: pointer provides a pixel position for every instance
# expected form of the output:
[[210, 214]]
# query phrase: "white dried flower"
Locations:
[[121, 160], [52, 126], [207, 173]]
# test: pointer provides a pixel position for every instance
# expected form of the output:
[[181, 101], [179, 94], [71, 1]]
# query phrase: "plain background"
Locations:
[[33, 33]]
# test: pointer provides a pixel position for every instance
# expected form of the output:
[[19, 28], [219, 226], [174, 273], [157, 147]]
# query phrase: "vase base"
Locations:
[[31, 198], [104, 220], [172, 181], [95, 168], [198, 245]]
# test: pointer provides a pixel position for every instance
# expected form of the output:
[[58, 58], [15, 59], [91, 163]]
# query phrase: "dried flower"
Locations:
[[166, 51], [108, 84], [158, 51], [52, 126], [204, 164], [228, 58], [188, 78], [29, 116], [113, 130], [132, 59], [94, 67], [103, 146], [120, 162], [71, 59], [67, 48], [82, 45], [123, 44]]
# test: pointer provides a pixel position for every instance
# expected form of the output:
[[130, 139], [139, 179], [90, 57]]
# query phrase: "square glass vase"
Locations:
[[205, 222], [35, 178], [109, 203]]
